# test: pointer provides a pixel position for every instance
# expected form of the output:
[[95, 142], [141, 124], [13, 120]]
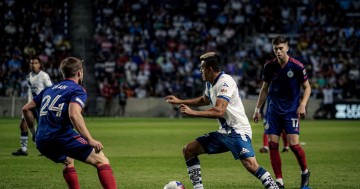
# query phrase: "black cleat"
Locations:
[[20, 153], [280, 185], [264, 150], [305, 179], [285, 149]]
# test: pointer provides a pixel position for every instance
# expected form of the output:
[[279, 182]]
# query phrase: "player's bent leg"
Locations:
[[23, 139], [192, 149], [105, 173], [190, 152], [264, 176], [70, 174]]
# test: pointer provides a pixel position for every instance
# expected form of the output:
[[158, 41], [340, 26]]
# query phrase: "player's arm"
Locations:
[[28, 115], [261, 100], [217, 111], [78, 122], [47, 81], [301, 111], [199, 101]]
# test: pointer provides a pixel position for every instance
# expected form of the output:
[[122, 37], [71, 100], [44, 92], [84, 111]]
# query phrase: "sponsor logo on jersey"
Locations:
[[225, 85], [304, 71], [223, 90]]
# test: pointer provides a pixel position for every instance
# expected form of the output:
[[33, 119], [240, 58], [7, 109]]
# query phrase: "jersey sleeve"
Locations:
[[225, 89], [79, 96], [303, 76], [47, 80], [266, 75]]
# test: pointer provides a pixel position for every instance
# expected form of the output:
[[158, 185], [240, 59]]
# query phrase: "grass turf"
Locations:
[[145, 153]]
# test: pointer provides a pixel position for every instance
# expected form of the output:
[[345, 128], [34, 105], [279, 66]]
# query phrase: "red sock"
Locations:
[[265, 140], [283, 136], [275, 158], [106, 176], [300, 156], [71, 178]]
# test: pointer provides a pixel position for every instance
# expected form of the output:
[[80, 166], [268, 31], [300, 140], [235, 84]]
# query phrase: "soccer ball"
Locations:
[[174, 185]]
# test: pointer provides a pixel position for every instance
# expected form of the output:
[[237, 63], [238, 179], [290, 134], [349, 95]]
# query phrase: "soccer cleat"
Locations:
[[280, 185], [285, 149], [264, 150], [20, 153], [305, 180]]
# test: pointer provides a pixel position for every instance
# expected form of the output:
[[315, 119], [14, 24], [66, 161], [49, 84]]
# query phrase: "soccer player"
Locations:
[[283, 78], [37, 80], [60, 112], [234, 132]]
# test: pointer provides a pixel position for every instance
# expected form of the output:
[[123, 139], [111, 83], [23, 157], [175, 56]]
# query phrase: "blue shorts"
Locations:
[[73, 145], [215, 143], [275, 124]]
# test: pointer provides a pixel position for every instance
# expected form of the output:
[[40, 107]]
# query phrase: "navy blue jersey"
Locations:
[[284, 93], [54, 121]]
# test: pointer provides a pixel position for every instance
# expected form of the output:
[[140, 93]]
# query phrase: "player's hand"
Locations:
[[256, 116], [301, 111], [96, 145], [172, 99], [184, 109]]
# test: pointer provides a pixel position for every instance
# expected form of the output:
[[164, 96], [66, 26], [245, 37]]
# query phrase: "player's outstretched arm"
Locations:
[[217, 111], [79, 123], [199, 101]]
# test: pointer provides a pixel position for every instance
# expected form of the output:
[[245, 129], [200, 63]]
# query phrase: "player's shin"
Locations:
[[275, 159], [193, 167], [71, 178], [265, 178], [106, 176], [24, 141]]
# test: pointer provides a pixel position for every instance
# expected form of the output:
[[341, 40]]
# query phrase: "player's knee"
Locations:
[[188, 151], [273, 145], [97, 159], [250, 164]]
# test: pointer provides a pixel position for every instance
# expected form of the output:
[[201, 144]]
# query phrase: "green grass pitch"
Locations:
[[146, 153]]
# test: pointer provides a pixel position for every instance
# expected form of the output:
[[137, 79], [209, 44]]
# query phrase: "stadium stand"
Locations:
[[150, 48]]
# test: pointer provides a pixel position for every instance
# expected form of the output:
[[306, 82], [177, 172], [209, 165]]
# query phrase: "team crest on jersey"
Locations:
[[290, 73]]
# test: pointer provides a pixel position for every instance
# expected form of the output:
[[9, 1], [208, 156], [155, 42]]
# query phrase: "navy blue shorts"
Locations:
[[74, 146], [275, 124], [215, 143]]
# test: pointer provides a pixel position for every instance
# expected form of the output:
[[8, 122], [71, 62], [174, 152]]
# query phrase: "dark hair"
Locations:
[[279, 39], [70, 66], [212, 60]]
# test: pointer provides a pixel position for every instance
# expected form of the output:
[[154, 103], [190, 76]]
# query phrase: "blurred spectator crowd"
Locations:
[[151, 48], [31, 29]]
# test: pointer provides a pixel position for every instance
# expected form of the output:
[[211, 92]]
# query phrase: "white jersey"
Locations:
[[36, 83], [235, 119]]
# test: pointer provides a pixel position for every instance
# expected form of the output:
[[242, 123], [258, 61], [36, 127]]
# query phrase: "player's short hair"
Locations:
[[70, 66], [212, 60], [280, 39]]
